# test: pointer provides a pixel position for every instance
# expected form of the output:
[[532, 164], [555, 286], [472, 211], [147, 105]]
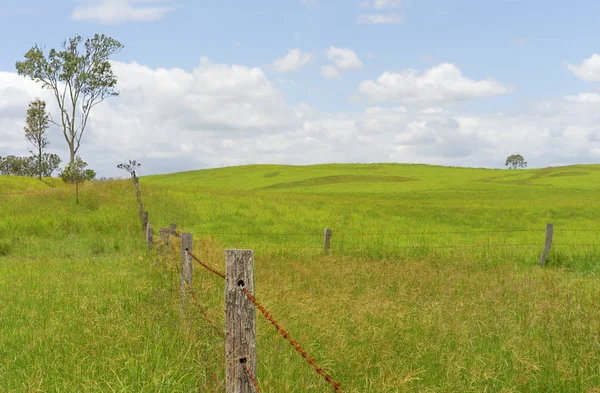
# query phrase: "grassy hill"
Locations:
[[431, 284]]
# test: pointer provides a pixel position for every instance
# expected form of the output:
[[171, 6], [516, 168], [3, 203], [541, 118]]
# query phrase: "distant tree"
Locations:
[[131, 167], [50, 163], [36, 125], [17, 166], [75, 173], [515, 161], [80, 80]]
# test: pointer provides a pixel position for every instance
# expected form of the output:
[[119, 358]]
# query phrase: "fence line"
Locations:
[[283, 333], [391, 233], [236, 260]]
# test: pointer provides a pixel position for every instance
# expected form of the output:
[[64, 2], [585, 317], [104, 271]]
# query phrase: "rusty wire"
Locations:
[[205, 265], [251, 377], [204, 315], [296, 346]]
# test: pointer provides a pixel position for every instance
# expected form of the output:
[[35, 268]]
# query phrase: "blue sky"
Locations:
[[524, 46]]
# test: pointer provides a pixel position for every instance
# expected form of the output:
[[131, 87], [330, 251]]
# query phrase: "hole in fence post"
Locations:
[[240, 320], [185, 270]]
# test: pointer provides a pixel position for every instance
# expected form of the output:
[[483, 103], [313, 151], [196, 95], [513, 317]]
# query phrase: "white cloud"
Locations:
[[379, 19], [329, 72], [292, 61], [589, 70], [380, 4], [119, 11], [585, 98], [218, 114], [344, 58], [438, 85]]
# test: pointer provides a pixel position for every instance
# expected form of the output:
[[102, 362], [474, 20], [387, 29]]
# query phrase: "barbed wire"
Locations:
[[203, 313], [251, 377], [379, 233], [205, 265], [296, 346]]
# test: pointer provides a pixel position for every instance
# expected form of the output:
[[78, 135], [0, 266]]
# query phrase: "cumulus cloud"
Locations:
[[119, 11], [219, 114], [588, 70], [292, 61], [438, 85], [330, 72], [379, 19], [344, 58]]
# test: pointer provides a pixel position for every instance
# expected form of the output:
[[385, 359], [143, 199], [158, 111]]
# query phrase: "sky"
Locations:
[[207, 84]]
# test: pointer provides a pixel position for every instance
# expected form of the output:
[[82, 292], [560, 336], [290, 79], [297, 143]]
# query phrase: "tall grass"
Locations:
[[394, 307]]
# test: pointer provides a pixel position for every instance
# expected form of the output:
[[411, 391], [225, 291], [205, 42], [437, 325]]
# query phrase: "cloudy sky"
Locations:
[[217, 83]]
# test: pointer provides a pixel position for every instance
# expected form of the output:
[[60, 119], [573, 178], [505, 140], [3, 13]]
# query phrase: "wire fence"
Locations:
[[319, 370], [584, 241]]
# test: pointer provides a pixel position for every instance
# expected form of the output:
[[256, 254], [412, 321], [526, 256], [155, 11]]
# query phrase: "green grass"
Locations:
[[394, 307]]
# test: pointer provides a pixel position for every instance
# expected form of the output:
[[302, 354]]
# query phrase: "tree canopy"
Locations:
[[80, 79], [515, 161]]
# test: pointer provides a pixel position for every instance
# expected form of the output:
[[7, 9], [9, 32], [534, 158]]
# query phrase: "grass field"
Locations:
[[432, 283]]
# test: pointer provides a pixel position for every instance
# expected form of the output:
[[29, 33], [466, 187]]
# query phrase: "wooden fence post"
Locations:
[[240, 321], [145, 223], [548, 244], [163, 235], [150, 236], [185, 273], [138, 193], [327, 240], [173, 228], [185, 270]]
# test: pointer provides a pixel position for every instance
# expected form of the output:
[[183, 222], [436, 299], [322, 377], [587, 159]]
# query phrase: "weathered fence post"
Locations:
[[548, 244], [185, 274], [163, 235], [173, 228], [145, 223], [240, 321], [150, 236], [138, 193], [185, 270], [327, 240]]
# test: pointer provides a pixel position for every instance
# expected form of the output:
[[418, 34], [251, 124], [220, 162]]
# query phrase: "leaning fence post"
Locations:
[[240, 320], [327, 239], [150, 236], [548, 244], [145, 223]]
